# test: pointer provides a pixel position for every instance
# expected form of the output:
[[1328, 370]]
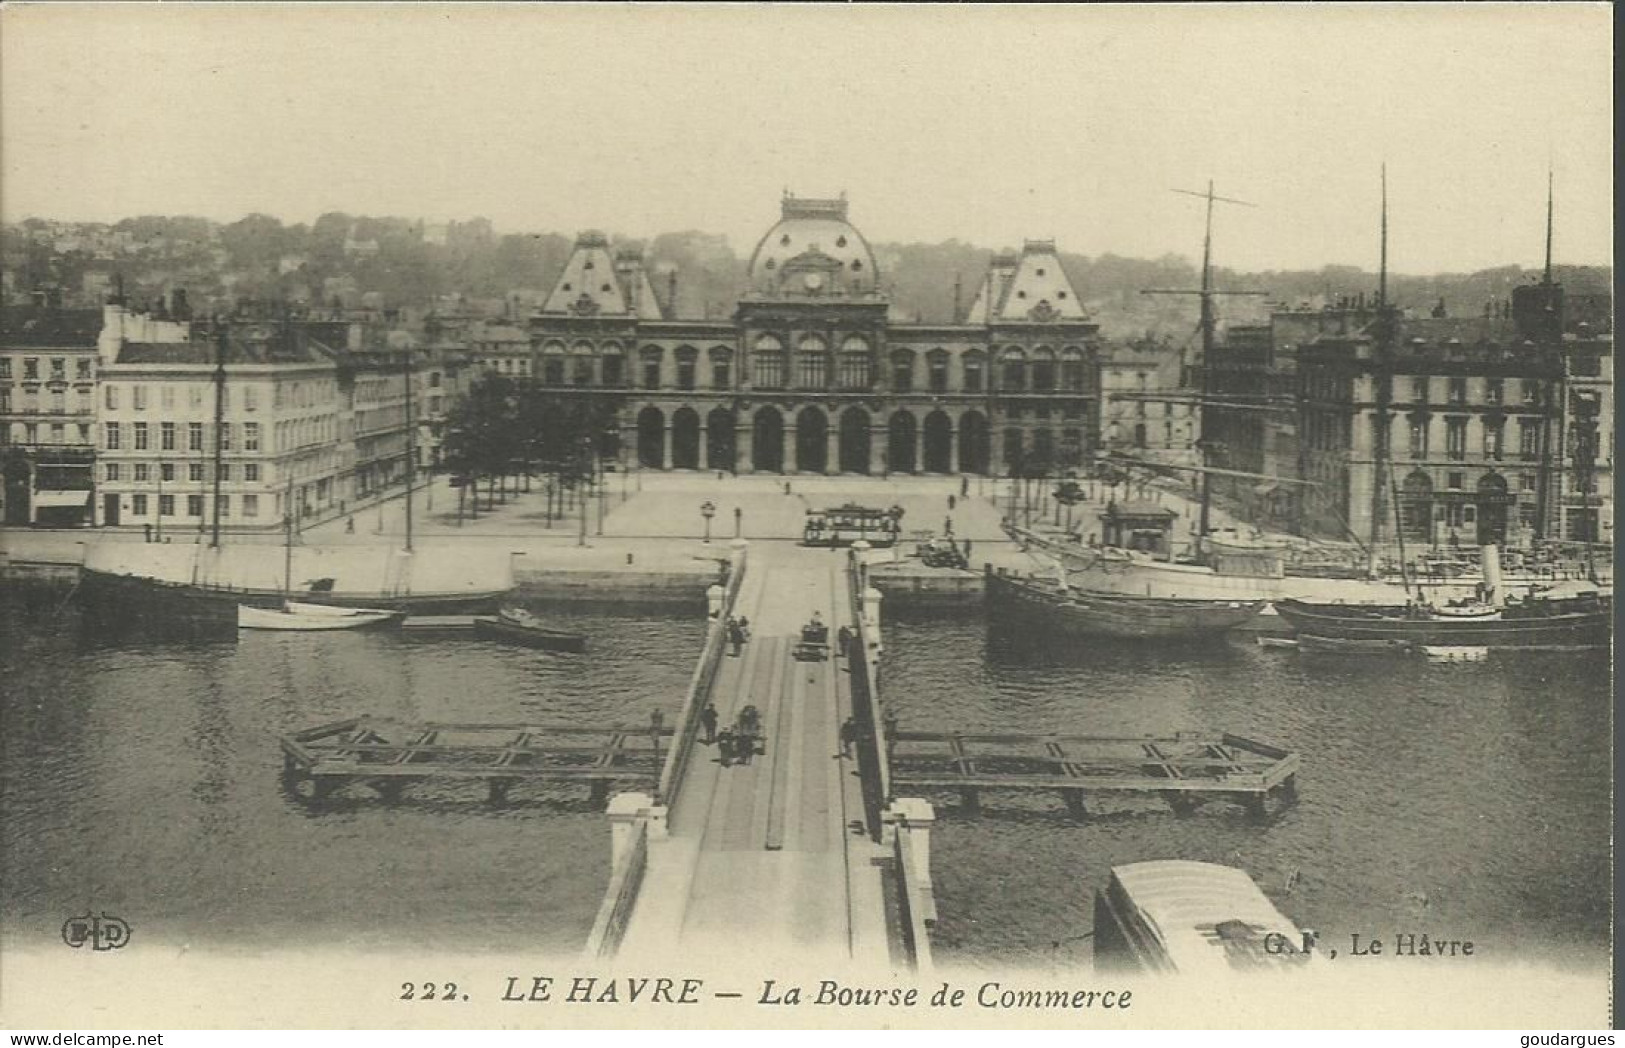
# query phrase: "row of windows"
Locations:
[[169, 435], [58, 366], [141, 472], [1319, 384], [28, 434], [1455, 438], [1456, 390], [194, 506], [301, 394], [140, 396], [56, 402], [1455, 480]]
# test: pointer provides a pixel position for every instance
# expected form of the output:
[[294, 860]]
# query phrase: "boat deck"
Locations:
[[1180, 768], [388, 755]]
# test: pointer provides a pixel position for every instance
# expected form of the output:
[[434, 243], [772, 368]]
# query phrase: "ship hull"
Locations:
[[1561, 628], [137, 595], [1117, 615]]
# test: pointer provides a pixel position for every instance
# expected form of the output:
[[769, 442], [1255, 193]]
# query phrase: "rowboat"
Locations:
[[1115, 614], [294, 615]]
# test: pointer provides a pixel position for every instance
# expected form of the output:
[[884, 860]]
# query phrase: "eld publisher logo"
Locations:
[[100, 933]]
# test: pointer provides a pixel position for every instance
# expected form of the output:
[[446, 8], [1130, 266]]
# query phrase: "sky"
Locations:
[[986, 124]]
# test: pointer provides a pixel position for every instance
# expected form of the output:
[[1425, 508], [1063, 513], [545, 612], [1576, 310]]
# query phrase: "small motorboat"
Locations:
[[518, 626], [296, 615]]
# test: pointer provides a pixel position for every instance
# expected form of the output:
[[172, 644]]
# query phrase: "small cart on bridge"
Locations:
[[814, 643]]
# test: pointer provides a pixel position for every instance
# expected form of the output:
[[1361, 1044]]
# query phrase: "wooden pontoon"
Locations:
[[1180, 768], [389, 755]]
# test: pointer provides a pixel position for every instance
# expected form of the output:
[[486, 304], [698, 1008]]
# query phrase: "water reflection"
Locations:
[[1473, 797], [141, 773]]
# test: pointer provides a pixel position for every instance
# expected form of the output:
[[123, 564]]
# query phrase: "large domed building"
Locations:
[[812, 375], [812, 252]]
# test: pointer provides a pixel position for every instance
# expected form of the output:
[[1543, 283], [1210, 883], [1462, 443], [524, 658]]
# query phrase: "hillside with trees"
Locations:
[[356, 260]]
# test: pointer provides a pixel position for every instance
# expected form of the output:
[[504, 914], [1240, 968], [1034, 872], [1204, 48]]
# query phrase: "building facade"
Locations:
[[1586, 487], [1149, 411], [811, 374], [272, 388], [1466, 409], [47, 413]]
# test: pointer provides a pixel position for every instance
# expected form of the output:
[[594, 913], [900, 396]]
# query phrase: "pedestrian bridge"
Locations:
[[792, 845], [806, 854]]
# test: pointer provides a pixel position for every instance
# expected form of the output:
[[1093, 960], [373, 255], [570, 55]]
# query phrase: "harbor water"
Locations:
[[141, 777]]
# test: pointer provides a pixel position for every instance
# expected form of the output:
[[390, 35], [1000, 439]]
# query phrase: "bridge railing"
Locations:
[[916, 900], [699, 685], [621, 897], [863, 662]]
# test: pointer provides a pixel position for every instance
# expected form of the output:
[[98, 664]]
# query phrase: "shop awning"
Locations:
[[49, 499]]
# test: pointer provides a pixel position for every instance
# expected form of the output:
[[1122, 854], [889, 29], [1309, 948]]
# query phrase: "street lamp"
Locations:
[[708, 509]]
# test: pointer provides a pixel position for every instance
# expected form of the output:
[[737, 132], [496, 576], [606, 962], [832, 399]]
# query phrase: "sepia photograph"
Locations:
[[549, 516]]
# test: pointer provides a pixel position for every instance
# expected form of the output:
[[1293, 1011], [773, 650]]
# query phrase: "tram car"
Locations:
[[844, 525]]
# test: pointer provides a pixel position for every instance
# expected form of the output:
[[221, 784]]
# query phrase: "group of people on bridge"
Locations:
[[737, 743]]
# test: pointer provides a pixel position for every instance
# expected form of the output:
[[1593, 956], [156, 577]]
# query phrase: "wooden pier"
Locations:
[[388, 756], [1181, 769]]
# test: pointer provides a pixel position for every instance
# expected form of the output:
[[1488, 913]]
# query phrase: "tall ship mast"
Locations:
[[1384, 331], [1207, 324]]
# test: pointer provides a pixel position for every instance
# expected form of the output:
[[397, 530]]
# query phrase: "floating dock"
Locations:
[[388, 756], [1181, 768]]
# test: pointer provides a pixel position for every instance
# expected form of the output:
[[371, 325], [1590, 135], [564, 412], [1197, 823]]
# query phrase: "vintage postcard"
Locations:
[[543, 516]]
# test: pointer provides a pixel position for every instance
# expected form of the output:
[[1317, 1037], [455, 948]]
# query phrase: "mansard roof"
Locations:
[[1032, 286]]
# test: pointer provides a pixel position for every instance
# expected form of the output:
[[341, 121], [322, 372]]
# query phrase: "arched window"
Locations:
[[937, 365], [854, 364], [553, 364], [1072, 370], [902, 371], [975, 371], [581, 361], [687, 357], [767, 363], [812, 363], [1043, 370], [1013, 370], [652, 358], [721, 367], [614, 365]]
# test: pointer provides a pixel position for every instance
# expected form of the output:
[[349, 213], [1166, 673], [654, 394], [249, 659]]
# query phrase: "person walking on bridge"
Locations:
[[708, 720], [725, 747], [849, 736]]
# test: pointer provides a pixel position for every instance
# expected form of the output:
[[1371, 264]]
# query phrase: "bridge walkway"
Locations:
[[764, 858]]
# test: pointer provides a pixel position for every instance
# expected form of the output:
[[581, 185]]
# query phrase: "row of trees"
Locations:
[[509, 430]]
